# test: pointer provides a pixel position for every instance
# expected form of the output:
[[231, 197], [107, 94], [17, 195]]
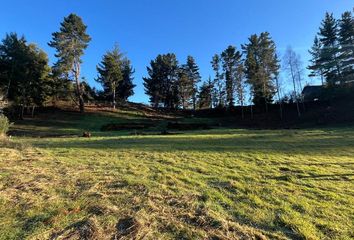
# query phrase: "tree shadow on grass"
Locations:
[[319, 177], [330, 146]]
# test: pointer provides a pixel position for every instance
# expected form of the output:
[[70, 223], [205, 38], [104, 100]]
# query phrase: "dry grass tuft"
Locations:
[[87, 229]]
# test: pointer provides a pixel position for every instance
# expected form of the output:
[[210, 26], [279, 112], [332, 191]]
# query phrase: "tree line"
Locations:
[[26, 79], [250, 73], [333, 50], [173, 85]]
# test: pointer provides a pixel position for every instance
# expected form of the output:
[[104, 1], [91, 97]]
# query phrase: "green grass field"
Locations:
[[212, 184]]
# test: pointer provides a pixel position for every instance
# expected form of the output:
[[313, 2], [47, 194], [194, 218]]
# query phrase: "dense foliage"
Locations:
[[115, 76], [162, 83], [333, 50], [261, 67], [24, 75]]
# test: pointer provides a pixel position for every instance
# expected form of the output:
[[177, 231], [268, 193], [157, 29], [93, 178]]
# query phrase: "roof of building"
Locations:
[[309, 90]]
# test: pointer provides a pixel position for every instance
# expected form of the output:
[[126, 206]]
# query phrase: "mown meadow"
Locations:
[[221, 183]]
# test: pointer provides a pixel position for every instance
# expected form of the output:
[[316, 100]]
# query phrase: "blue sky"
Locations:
[[145, 28]]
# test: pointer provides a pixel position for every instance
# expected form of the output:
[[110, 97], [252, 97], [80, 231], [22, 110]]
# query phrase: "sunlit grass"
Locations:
[[221, 183]]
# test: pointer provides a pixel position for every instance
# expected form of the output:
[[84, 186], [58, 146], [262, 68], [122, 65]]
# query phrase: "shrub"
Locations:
[[4, 124]]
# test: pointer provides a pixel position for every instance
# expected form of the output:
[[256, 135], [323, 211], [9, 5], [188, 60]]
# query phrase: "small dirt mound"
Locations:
[[86, 134], [84, 230], [128, 226]]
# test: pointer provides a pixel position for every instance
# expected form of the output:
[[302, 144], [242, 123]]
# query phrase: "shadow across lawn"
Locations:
[[278, 143]]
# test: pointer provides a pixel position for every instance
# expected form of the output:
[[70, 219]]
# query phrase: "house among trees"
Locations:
[[312, 93]]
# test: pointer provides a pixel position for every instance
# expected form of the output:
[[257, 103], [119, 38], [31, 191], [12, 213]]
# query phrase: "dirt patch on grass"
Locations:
[[87, 229], [127, 227]]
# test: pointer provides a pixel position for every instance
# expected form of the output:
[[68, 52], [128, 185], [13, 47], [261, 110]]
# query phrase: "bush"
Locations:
[[4, 124]]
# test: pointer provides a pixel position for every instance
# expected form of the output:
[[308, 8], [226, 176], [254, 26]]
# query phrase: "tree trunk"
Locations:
[[81, 104], [9, 83], [22, 111], [296, 99], [322, 79], [281, 111], [32, 112], [251, 111], [280, 105], [298, 108], [114, 98], [78, 87]]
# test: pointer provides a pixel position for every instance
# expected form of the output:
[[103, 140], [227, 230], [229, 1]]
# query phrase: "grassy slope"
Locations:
[[220, 183]]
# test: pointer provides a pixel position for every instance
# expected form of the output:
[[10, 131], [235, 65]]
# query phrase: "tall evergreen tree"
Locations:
[[346, 44], [205, 94], [231, 59], [261, 67], [185, 87], [192, 71], [219, 84], [70, 43], [162, 83], [110, 73], [126, 87], [188, 79], [315, 66], [240, 86], [329, 53]]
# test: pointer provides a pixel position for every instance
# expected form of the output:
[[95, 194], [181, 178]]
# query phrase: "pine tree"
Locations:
[[162, 83], [70, 43], [329, 53], [219, 85], [261, 67], [192, 70], [185, 87], [126, 87], [231, 59], [315, 64], [346, 43], [240, 86], [188, 79], [110, 72], [205, 95]]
